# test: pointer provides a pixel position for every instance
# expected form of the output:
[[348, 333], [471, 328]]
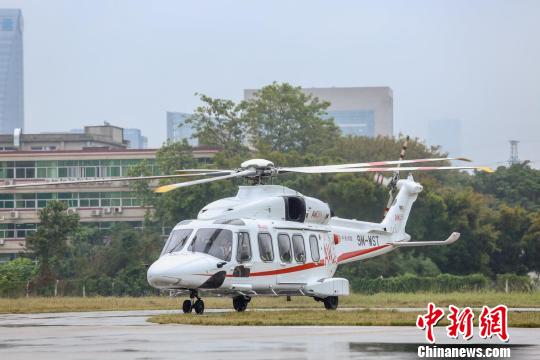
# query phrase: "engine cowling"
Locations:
[[268, 202]]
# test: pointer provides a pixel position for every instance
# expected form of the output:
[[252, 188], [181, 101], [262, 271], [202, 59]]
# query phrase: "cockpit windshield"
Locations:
[[176, 241], [215, 242]]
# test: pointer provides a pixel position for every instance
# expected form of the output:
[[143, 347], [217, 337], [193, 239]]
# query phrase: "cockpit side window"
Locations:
[[177, 240], [243, 252], [214, 242]]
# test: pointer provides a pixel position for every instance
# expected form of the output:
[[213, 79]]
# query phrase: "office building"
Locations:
[[358, 111], [135, 139], [446, 133], [92, 136], [99, 152], [178, 130], [11, 71]]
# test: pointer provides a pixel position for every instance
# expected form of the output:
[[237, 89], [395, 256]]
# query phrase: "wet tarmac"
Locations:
[[127, 335]]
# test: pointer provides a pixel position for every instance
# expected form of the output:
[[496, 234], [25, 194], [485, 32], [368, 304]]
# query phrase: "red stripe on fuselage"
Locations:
[[346, 256], [311, 265], [285, 270]]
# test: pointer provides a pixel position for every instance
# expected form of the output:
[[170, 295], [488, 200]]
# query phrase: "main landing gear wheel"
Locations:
[[240, 303], [331, 302], [198, 306], [187, 307]]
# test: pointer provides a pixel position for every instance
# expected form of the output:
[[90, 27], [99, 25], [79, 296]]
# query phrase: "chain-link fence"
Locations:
[[105, 286], [87, 287]]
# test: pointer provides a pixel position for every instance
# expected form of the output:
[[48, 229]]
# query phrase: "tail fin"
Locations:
[[396, 218]]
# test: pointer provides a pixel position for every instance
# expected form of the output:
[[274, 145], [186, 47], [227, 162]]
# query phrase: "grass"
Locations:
[[321, 318], [68, 304]]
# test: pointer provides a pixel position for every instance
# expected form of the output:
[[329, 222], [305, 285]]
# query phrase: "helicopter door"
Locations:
[[243, 256]]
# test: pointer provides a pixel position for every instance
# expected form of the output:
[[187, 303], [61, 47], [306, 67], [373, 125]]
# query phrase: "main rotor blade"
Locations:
[[203, 170], [371, 164], [166, 188], [99, 180], [386, 169]]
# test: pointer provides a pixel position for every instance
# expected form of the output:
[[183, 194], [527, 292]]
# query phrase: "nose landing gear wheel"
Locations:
[[186, 306], [331, 302], [240, 303], [199, 306]]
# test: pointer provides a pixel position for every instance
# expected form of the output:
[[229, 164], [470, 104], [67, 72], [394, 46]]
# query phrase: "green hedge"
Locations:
[[409, 283]]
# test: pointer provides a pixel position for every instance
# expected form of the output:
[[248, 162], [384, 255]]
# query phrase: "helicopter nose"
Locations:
[[179, 271]]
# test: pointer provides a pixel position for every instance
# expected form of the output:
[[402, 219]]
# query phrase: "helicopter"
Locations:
[[270, 240]]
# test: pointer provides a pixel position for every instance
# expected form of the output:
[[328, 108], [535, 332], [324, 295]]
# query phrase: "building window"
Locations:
[[14, 231], [7, 24]]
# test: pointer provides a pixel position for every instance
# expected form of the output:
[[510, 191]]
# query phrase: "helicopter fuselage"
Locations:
[[292, 247], [255, 257]]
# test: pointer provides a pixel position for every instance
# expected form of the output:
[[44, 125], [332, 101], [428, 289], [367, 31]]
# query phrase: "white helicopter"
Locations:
[[271, 240]]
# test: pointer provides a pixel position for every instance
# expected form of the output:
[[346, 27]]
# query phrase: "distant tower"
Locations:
[[11, 71], [514, 158]]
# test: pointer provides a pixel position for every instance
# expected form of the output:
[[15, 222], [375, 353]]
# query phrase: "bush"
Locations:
[[409, 283], [515, 283], [15, 275]]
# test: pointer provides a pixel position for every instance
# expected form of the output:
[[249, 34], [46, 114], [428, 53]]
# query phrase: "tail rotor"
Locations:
[[391, 182]]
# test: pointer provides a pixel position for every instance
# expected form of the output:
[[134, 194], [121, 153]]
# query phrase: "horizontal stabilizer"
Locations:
[[452, 238], [379, 232]]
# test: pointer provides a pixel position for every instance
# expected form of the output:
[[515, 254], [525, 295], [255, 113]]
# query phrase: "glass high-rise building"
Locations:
[[11, 71], [178, 130], [135, 138]]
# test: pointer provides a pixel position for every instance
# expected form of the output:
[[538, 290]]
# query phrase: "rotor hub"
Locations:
[[263, 169]]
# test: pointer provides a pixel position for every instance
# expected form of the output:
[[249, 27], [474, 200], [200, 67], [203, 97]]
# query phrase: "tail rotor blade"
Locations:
[[381, 179], [392, 185]]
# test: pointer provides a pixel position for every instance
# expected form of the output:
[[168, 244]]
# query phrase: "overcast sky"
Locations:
[[128, 62]]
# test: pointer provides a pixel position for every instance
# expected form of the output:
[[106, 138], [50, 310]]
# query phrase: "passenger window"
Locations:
[[284, 246], [314, 246], [243, 252], [266, 250], [299, 248]]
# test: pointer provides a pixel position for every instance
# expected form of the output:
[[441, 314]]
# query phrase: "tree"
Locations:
[[460, 210], [121, 261], [531, 244], [284, 118], [221, 123], [49, 242], [511, 223], [518, 184], [174, 156]]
